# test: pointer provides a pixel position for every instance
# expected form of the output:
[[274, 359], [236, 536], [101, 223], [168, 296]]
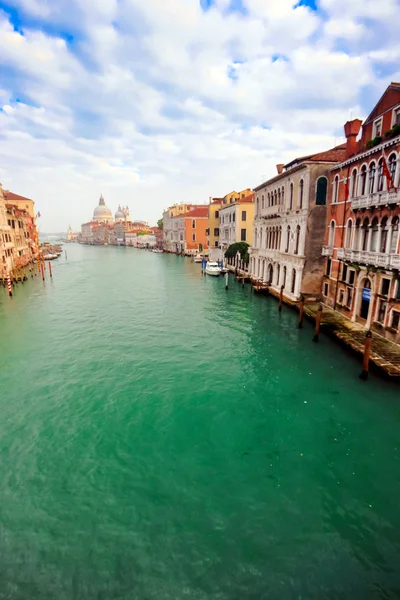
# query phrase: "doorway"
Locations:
[[365, 299]]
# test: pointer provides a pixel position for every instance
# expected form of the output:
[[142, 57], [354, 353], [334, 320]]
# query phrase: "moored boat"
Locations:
[[213, 268]]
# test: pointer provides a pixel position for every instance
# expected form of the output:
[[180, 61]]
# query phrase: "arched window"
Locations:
[[279, 238], [395, 235], [392, 167], [297, 242], [275, 198], [374, 235], [279, 197], [258, 206], [301, 195], [278, 272], [256, 238], [357, 235], [284, 277], [371, 178], [293, 281], [261, 237], [291, 197], [287, 238], [268, 199], [365, 230], [384, 234], [354, 183], [363, 180], [380, 175], [270, 274], [335, 192], [262, 202], [332, 233], [348, 233], [283, 197], [322, 184]]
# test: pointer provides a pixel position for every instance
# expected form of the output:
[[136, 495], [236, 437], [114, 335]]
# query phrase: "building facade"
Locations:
[[362, 229], [236, 217], [289, 225], [190, 231], [173, 239]]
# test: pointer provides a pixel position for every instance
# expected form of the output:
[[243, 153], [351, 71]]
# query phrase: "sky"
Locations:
[[152, 102]]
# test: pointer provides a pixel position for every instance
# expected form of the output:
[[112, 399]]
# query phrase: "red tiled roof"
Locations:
[[216, 200], [201, 211], [246, 199], [336, 154], [11, 196]]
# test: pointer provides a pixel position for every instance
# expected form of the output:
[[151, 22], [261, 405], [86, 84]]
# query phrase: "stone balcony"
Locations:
[[271, 212], [375, 259], [327, 250], [376, 199]]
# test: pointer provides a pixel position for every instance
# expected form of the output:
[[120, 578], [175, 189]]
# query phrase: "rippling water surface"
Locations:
[[162, 438]]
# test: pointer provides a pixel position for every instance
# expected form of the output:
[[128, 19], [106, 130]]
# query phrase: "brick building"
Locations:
[[289, 225], [362, 228]]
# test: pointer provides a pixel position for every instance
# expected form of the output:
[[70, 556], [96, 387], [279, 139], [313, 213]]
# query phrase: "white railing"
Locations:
[[267, 253], [340, 253], [376, 199], [376, 259], [395, 261], [327, 250], [271, 211]]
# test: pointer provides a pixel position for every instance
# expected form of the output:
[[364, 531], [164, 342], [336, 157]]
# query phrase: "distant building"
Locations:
[[71, 236], [236, 219], [190, 230]]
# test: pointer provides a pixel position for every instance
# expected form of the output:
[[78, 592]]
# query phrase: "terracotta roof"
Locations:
[[11, 196], [246, 199], [336, 154], [216, 200], [201, 211]]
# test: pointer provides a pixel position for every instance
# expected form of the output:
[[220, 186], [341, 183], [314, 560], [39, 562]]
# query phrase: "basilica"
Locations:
[[120, 230]]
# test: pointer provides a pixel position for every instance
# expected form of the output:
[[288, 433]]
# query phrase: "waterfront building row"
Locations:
[[18, 233]]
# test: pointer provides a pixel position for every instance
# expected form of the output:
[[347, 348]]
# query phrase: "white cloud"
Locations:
[[157, 102]]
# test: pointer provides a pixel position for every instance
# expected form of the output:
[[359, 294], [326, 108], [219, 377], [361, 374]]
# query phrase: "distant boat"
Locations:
[[213, 268], [158, 251], [50, 256]]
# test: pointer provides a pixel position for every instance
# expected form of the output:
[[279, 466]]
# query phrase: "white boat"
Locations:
[[50, 256], [198, 258], [157, 251], [213, 268]]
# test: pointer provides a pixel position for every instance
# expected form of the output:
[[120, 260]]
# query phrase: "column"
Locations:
[[389, 238]]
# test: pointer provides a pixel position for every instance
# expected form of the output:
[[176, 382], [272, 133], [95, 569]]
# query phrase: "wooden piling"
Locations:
[[50, 270], [226, 280], [9, 285], [280, 299], [42, 269], [367, 354], [317, 324], [301, 312]]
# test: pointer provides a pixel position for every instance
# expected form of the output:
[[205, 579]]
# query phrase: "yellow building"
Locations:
[[236, 220], [233, 196], [21, 202], [213, 222]]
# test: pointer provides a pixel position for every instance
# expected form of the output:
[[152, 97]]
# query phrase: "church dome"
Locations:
[[120, 215], [102, 213]]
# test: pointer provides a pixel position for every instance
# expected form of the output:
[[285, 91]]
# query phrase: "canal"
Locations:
[[162, 438]]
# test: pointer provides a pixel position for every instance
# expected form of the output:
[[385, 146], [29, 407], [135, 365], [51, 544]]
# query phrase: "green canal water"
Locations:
[[161, 438]]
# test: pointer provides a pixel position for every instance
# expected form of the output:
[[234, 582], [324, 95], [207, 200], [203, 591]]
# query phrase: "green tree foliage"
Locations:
[[160, 224], [240, 247]]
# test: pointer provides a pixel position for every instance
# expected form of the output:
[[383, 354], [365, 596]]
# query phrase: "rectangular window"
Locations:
[[234, 217], [344, 272], [341, 297], [216, 231], [397, 296], [328, 267], [243, 235], [352, 275], [382, 311], [217, 214], [377, 129], [194, 223], [194, 237], [385, 287], [349, 297], [396, 116], [216, 244], [396, 319], [326, 289], [243, 215]]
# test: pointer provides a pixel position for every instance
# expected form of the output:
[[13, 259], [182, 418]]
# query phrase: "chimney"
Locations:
[[351, 131], [279, 168]]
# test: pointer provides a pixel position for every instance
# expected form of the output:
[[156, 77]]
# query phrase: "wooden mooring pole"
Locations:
[[280, 299], [317, 323], [367, 355], [301, 312], [50, 270]]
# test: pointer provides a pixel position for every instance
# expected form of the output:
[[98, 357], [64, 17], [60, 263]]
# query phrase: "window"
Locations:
[[216, 231], [193, 223], [293, 281], [377, 128], [232, 200], [322, 184], [328, 267], [331, 234], [275, 199], [217, 214], [287, 239], [297, 243], [194, 237], [365, 229], [258, 206], [363, 179], [283, 197], [262, 202], [243, 215], [374, 235], [326, 289], [348, 233], [392, 168], [352, 275], [269, 199], [385, 287], [395, 319], [230, 218], [395, 235], [384, 234], [380, 175], [349, 297], [371, 178], [344, 272], [335, 189], [234, 217], [382, 311], [341, 297], [242, 235], [284, 277], [396, 116], [291, 197], [301, 193], [216, 244], [354, 183]]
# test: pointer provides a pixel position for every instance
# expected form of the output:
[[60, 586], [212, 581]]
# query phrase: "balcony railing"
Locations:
[[340, 253], [327, 250], [272, 211], [376, 199], [376, 259]]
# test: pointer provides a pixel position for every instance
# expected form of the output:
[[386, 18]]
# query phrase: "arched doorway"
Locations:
[[270, 274], [365, 298]]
